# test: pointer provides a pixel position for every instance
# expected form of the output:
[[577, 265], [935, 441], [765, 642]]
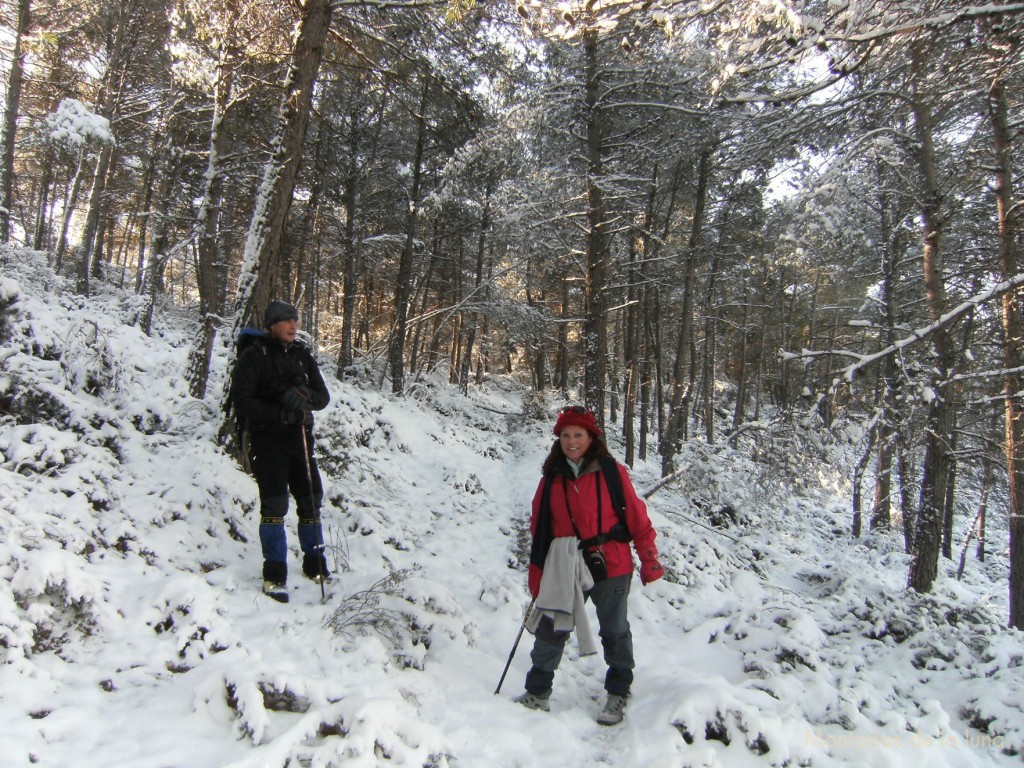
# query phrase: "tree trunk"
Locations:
[[858, 479], [937, 461], [93, 218], [907, 510], [679, 399], [301, 257], [739, 411], [645, 406], [788, 329], [42, 235], [169, 165], [710, 339], [472, 320], [762, 338], [421, 295], [14, 84], [208, 218], [971, 532], [260, 275], [145, 214], [949, 502], [563, 342], [881, 507], [1013, 355], [403, 283], [350, 254], [70, 203], [595, 332], [633, 350], [630, 355]]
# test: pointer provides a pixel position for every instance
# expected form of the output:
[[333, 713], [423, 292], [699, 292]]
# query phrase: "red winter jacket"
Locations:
[[581, 493]]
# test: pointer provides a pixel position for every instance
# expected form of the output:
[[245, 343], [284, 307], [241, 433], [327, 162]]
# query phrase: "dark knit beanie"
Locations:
[[278, 311], [577, 416]]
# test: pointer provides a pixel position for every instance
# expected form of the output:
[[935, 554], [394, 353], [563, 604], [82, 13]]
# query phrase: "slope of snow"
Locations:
[[132, 631]]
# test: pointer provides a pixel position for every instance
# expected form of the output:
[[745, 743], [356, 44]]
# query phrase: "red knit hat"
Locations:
[[577, 416]]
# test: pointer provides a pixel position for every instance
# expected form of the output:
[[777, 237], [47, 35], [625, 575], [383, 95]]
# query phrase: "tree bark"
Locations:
[[207, 272], [633, 349], [595, 332], [350, 253], [93, 217], [260, 276], [907, 508], [711, 336], [679, 399], [858, 478], [167, 174], [563, 342], [631, 358], [938, 456], [739, 410], [42, 236], [881, 507], [70, 203], [470, 323], [1013, 355], [10, 128], [403, 283]]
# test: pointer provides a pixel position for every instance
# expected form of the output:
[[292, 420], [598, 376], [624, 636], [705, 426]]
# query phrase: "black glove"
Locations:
[[291, 416], [297, 399]]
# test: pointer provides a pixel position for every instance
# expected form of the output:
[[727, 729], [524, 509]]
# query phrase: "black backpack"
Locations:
[[246, 338]]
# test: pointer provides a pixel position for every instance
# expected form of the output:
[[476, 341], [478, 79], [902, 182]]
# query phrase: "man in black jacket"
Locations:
[[276, 385]]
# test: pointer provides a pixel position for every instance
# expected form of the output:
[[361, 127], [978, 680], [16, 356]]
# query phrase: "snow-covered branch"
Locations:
[[941, 20], [387, 4], [919, 334]]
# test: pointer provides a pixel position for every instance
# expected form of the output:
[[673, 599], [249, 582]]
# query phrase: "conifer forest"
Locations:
[[772, 222]]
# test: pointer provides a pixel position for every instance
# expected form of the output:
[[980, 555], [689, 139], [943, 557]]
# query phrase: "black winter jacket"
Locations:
[[265, 370]]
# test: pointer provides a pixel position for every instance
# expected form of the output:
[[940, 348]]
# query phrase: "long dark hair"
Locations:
[[556, 461]]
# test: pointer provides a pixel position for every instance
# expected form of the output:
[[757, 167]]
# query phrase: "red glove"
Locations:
[[534, 580], [650, 570]]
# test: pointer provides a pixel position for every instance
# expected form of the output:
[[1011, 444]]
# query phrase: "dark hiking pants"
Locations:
[[279, 464], [609, 597]]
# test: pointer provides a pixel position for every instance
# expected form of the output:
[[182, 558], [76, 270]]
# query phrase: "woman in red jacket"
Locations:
[[573, 500]]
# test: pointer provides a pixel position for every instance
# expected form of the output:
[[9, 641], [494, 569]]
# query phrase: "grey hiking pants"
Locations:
[[610, 597]]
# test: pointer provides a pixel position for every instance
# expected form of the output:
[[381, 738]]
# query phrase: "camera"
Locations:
[[594, 558]]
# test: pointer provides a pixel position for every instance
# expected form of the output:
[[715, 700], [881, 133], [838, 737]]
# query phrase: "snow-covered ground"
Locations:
[[133, 633]]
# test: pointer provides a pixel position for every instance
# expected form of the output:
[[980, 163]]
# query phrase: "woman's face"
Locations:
[[575, 441]]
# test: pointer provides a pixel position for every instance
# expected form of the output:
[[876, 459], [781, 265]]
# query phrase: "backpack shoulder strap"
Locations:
[[611, 476], [542, 536], [610, 469]]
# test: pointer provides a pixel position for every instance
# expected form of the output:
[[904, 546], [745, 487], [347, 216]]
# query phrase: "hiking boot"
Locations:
[[614, 710], [276, 590], [313, 570], [533, 701]]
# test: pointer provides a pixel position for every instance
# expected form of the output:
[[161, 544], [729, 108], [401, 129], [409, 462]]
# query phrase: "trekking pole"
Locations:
[[515, 645], [319, 523]]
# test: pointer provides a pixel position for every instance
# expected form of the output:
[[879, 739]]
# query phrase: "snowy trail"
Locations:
[[188, 665]]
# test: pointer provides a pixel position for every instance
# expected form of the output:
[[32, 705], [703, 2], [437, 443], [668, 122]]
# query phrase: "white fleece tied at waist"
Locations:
[[562, 585]]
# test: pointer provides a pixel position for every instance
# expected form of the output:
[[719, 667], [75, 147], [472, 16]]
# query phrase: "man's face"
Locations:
[[284, 330]]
